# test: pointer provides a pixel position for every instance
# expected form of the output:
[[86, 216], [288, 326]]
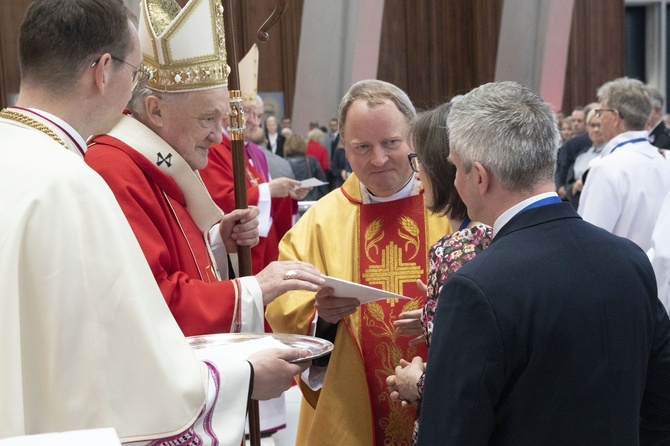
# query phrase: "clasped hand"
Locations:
[[403, 385]]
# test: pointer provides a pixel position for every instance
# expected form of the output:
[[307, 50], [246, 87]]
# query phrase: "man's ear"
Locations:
[[102, 72], [155, 110], [483, 177]]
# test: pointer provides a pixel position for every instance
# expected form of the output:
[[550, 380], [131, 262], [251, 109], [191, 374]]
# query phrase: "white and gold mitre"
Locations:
[[183, 49], [248, 69]]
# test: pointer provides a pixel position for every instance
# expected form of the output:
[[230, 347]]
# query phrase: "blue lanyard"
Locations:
[[628, 142], [465, 223], [542, 202]]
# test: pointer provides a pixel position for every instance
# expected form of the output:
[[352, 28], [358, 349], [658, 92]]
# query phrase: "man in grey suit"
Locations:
[[554, 334]]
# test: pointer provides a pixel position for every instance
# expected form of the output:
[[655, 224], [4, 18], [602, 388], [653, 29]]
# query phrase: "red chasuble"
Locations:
[[218, 178], [172, 243], [392, 257]]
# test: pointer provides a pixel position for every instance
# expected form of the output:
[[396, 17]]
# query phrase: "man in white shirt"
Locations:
[[625, 188]]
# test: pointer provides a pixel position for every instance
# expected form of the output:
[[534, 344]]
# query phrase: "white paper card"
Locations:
[[363, 293], [312, 182]]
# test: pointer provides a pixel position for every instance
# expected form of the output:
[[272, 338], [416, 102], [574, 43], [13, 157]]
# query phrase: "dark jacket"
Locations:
[[305, 167], [660, 136], [567, 155], [280, 143], [338, 165], [553, 335]]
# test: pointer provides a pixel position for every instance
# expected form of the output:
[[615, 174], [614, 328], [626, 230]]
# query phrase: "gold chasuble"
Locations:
[[383, 245]]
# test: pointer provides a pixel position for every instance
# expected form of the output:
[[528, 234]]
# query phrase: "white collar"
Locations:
[[405, 192], [77, 138], [623, 137], [506, 216]]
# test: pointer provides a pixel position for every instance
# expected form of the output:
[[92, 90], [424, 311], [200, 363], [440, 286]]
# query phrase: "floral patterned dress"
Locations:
[[445, 257]]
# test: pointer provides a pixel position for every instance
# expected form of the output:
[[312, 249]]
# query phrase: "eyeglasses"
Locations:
[[140, 75], [414, 162], [598, 112]]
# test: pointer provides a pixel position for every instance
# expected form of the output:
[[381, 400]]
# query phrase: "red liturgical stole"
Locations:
[[393, 255]]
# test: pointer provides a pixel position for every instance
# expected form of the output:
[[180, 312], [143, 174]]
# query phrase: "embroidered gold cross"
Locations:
[[392, 272]]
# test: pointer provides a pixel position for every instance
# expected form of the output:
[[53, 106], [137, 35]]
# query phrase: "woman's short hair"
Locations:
[[316, 135], [295, 145], [430, 139]]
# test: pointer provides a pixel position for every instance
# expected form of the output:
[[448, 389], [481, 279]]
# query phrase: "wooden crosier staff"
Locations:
[[236, 131]]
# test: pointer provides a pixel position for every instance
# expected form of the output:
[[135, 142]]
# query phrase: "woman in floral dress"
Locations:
[[430, 161]]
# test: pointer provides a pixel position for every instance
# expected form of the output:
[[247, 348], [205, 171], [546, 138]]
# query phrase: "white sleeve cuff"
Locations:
[[264, 206], [253, 313], [314, 377], [219, 251]]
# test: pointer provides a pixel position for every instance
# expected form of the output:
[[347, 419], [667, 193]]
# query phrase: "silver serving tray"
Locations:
[[317, 347]]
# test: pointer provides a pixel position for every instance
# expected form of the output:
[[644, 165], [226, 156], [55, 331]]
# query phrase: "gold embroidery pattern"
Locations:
[[391, 273], [390, 270], [412, 235], [162, 12], [167, 20], [391, 354], [23, 119], [398, 424], [372, 236]]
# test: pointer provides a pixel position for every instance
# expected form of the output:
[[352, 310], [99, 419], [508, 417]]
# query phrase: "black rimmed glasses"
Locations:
[[414, 162], [140, 75], [598, 112]]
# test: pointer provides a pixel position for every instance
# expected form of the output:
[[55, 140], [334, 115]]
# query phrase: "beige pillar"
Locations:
[[534, 44], [339, 45]]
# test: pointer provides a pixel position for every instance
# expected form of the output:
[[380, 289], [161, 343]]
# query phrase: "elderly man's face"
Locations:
[[252, 119], [608, 120], [376, 146], [194, 122], [595, 132]]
